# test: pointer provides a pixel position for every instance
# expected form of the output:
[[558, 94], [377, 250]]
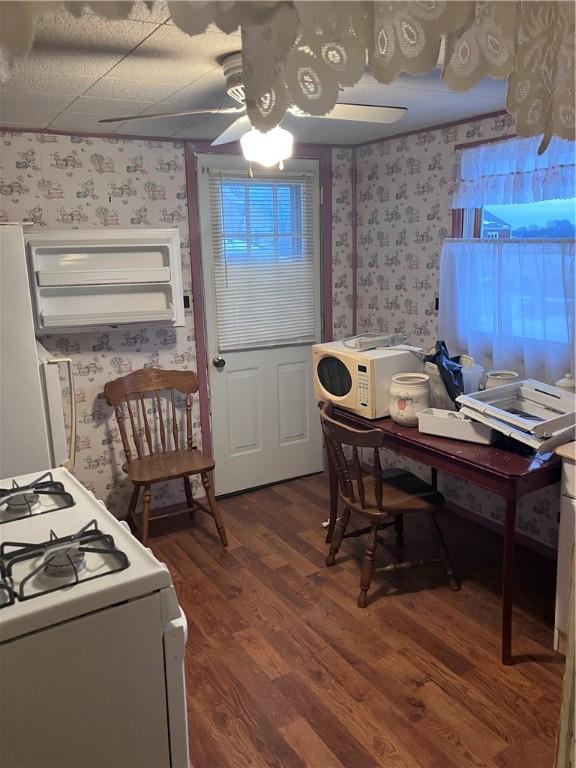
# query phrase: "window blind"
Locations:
[[264, 235]]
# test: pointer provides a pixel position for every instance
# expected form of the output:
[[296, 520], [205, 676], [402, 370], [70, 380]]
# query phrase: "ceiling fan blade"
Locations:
[[156, 115], [360, 113], [234, 131]]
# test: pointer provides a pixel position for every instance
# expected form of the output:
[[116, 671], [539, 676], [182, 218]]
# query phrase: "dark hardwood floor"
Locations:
[[284, 670]]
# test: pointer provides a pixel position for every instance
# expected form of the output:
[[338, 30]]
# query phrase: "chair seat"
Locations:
[[166, 466], [402, 493]]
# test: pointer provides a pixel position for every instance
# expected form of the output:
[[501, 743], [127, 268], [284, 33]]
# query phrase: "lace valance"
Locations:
[[511, 171], [301, 53]]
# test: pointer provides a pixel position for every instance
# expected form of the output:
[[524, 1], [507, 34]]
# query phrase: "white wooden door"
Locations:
[[265, 423]]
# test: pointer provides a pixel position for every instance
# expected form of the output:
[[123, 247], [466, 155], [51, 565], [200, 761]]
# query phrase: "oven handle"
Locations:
[[67, 361]]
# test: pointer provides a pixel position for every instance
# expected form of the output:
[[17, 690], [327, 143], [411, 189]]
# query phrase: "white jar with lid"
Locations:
[[498, 379], [567, 382], [409, 394]]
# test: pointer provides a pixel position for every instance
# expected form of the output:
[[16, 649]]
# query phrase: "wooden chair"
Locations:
[[381, 497], [133, 397]]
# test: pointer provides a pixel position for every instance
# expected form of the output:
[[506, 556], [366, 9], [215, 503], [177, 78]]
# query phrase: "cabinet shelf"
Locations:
[[107, 318], [57, 277]]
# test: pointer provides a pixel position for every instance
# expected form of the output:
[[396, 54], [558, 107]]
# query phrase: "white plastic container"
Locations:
[[436, 421], [471, 376], [439, 397]]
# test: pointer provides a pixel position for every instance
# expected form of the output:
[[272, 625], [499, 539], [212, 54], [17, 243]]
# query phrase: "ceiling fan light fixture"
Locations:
[[267, 149]]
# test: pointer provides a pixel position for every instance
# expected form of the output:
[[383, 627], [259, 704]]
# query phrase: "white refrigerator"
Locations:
[[33, 431]]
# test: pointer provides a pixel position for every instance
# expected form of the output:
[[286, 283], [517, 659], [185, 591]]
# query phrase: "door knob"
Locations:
[[218, 362]]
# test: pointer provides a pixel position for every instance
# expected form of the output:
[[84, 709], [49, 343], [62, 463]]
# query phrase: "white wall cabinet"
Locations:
[[91, 278]]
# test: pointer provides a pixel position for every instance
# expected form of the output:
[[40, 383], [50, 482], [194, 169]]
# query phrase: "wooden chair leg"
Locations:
[[132, 504], [214, 508], [338, 536], [444, 556], [368, 566], [146, 515], [189, 497], [399, 528]]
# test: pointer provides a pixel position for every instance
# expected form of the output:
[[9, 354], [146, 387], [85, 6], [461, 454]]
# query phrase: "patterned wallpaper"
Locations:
[[404, 211], [342, 238], [404, 199], [79, 182]]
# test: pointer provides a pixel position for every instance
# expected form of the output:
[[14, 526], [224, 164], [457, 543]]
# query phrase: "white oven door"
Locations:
[[91, 693]]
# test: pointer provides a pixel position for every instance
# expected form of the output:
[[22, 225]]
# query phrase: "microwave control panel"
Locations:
[[362, 390]]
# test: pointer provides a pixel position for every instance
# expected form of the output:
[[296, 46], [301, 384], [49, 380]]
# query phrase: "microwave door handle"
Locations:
[[67, 361]]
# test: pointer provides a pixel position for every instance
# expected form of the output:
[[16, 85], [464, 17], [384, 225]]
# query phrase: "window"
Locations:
[[262, 220], [543, 219], [507, 286], [264, 253], [538, 220]]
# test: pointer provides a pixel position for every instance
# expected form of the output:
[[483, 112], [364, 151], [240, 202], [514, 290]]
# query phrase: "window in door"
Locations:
[[265, 259]]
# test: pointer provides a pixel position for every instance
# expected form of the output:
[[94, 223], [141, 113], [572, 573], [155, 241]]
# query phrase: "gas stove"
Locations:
[[87, 614], [62, 554]]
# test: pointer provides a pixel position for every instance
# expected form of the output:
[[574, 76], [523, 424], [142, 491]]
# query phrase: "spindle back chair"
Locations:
[[158, 447], [383, 497]]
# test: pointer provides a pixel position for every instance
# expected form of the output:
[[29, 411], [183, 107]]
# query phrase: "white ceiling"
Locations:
[[81, 70]]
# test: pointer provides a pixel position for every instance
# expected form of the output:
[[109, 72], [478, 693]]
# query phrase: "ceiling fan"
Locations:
[[232, 68]]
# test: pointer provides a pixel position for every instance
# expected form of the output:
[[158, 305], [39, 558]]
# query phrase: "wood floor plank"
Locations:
[[305, 741], [475, 736], [345, 744], [533, 752], [219, 575], [283, 669], [439, 645], [234, 708], [278, 709], [214, 613], [537, 709], [259, 649], [493, 714], [207, 748], [290, 556]]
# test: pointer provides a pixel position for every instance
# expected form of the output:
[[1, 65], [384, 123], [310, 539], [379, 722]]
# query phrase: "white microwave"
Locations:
[[359, 381]]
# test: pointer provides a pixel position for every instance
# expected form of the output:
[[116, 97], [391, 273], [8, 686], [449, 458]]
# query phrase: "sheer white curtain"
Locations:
[[510, 304], [512, 171]]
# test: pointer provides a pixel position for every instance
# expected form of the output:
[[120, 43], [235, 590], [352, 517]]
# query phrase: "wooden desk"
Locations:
[[499, 469]]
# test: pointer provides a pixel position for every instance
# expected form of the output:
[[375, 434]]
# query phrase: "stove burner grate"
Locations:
[[22, 500], [61, 558], [7, 596]]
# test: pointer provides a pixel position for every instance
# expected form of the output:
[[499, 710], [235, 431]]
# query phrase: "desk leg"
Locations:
[[434, 478], [508, 575], [333, 485]]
